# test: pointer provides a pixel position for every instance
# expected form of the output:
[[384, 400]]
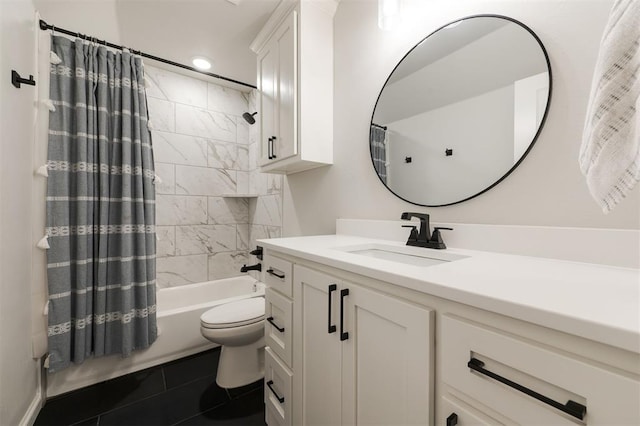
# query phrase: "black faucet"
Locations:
[[256, 267], [424, 238]]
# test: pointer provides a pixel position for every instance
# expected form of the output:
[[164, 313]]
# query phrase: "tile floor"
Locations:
[[182, 392]]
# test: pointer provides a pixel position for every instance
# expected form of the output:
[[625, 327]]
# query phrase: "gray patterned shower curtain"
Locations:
[[377, 139], [100, 206]]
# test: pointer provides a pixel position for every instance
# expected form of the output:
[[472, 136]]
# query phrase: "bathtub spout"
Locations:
[[256, 267]]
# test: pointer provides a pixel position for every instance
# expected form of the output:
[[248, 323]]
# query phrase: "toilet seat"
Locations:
[[234, 314]]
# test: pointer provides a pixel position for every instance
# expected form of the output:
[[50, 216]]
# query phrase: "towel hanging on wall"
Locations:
[[610, 151]]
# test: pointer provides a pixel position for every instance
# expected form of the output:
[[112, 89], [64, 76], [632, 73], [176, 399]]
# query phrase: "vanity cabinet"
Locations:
[[295, 87], [520, 380], [365, 351], [361, 357], [278, 332]]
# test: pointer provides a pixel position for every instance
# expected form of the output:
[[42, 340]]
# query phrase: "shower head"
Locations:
[[249, 117]]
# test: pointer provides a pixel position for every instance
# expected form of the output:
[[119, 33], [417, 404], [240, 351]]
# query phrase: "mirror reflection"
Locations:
[[460, 110]]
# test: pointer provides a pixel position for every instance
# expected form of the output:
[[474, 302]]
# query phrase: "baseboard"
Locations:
[[32, 412]]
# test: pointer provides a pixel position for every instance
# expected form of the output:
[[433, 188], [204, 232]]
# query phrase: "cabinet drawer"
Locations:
[[530, 383], [277, 390], [278, 332], [277, 274], [456, 413]]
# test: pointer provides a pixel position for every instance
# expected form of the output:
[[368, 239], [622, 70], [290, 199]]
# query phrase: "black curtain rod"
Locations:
[[379, 126], [44, 26]]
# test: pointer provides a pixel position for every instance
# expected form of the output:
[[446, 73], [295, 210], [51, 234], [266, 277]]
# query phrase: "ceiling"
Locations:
[[172, 29]]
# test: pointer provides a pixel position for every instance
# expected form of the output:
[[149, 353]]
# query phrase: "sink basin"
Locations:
[[416, 256]]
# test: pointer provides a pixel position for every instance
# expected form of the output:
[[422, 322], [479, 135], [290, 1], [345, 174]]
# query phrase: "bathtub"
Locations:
[[179, 310]]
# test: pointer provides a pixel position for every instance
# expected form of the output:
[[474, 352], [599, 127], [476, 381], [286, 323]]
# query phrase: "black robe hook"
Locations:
[[16, 80]]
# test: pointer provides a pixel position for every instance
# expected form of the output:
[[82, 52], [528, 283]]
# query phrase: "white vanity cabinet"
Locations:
[[527, 382], [278, 374], [361, 357], [369, 351], [295, 87]]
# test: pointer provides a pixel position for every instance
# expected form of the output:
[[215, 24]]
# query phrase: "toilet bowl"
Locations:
[[239, 328]]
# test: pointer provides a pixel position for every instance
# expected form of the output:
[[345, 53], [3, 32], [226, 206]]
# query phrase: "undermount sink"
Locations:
[[415, 256]]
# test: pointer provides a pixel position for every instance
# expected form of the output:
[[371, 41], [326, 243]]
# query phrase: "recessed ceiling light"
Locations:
[[201, 63]]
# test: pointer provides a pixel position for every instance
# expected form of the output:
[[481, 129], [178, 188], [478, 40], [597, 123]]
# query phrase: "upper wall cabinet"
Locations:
[[295, 85]]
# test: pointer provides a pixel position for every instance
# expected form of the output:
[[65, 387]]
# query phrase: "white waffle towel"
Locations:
[[610, 151]]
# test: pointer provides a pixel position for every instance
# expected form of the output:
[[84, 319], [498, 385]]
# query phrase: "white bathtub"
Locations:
[[179, 310]]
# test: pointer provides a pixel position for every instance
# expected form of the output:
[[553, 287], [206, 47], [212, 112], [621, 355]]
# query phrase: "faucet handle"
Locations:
[[442, 227], [436, 237], [413, 236]]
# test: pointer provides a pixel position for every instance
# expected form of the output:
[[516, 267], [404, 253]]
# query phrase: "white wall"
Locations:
[[97, 18], [479, 130], [18, 371], [547, 188]]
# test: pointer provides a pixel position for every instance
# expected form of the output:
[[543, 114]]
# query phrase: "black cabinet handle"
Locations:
[[343, 334], [571, 407], [273, 147], [275, 274], [452, 420], [331, 327], [280, 329], [280, 398]]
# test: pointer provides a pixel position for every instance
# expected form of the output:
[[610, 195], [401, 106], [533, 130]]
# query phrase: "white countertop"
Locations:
[[597, 302]]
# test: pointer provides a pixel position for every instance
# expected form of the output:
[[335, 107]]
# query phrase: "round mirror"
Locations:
[[460, 111]]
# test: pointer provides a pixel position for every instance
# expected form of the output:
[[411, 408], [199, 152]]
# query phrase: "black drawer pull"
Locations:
[[452, 420], [571, 407], [270, 319], [275, 274], [343, 334], [280, 398], [331, 327]]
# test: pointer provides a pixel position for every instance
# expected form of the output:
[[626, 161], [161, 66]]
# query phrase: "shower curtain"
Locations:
[[377, 142], [100, 206]]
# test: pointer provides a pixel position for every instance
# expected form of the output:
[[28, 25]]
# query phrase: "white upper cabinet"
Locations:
[[295, 87]]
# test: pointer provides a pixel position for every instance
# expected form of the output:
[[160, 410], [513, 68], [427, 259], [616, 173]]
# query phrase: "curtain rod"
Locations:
[[44, 26], [379, 126]]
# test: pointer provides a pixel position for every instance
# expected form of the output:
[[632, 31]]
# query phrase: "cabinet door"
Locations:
[[387, 360], [267, 62], [317, 353], [286, 142]]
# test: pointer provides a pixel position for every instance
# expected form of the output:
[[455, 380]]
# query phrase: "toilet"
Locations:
[[239, 328]]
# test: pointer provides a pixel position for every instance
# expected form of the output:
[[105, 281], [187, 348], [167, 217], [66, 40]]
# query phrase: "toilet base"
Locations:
[[240, 365]]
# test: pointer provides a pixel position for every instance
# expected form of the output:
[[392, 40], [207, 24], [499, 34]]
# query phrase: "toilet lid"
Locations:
[[234, 314]]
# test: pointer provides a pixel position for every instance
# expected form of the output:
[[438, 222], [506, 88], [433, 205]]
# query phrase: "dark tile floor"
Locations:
[[182, 392]]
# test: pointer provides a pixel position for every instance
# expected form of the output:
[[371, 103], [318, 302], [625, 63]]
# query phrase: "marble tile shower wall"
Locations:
[[204, 150]]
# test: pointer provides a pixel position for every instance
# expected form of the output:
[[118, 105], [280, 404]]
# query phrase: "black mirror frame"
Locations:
[[533, 141]]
